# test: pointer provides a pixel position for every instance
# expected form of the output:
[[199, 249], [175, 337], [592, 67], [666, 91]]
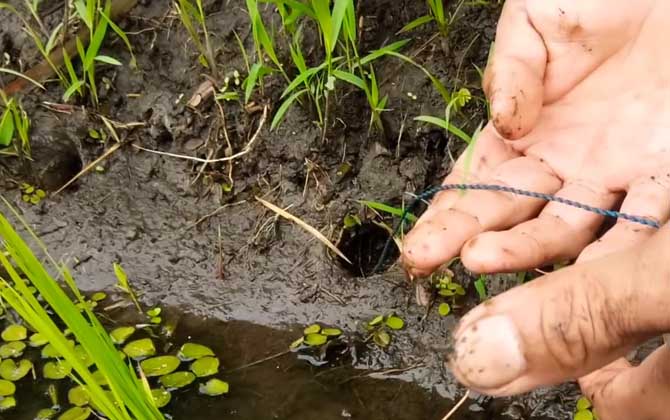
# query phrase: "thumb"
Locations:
[[513, 80], [566, 324]]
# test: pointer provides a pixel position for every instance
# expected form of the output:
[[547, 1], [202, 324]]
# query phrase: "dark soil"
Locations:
[[187, 243]]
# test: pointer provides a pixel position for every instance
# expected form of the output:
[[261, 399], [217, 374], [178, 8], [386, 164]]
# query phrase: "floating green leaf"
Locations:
[[382, 338], [457, 288], [140, 349], [154, 312], [583, 403], [395, 323], [446, 293], [7, 403], [121, 334], [12, 371], [331, 332], [7, 388], [38, 340], [193, 351], [50, 352], [315, 339], [378, 320], [444, 309], [214, 387], [14, 332], [100, 378], [159, 366], [312, 329], [83, 355], [161, 397], [177, 380], [76, 413], [206, 366], [99, 296], [46, 414], [78, 396], [351, 220], [12, 350], [56, 370], [583, 415]]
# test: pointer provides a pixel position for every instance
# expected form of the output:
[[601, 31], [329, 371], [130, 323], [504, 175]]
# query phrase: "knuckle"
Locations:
[[580, 323], [562, 332]]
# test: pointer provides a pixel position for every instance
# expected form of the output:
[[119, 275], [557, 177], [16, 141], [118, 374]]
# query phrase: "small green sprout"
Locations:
[[378, 329]]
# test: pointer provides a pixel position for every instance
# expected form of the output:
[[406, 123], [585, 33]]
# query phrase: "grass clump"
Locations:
[[191, 13], [339, 58], [95, 16], [129, 396], [436, 13]]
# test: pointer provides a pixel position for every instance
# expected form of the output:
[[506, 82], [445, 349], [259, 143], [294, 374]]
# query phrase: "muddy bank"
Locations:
[[186, 242]]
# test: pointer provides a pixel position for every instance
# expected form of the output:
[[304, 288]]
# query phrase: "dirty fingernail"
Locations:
[[489, 354]]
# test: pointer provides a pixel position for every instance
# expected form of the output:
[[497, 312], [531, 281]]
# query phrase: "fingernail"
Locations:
[[488, 353]]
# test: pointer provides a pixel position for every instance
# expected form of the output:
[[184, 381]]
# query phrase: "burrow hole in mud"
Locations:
[[363, 245]]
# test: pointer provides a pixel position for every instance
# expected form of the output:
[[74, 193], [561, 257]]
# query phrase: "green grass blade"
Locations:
[[74, 87], [108, 60], [350, 78], [283, 108], [324, 19], [374, 55], [420, 21], [388, 209], [6, 128], [302, 78], [260, 33], [339, 12], [123, 36], [438, 85], [444, 124], [96, 42], [82, 10]]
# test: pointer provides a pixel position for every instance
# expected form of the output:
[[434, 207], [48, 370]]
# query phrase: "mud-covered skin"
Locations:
[[141, 211]]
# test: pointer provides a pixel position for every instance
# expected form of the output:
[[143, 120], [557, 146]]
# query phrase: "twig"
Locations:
[[244, 151], [382, 372], [214, 213], [318, 235], [457, 406], [258, 362], [89, 167]]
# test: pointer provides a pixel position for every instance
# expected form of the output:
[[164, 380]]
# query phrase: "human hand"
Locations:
[[567, 324], [580, 100]]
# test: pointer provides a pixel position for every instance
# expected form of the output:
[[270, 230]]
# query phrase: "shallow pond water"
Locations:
[[269, 382]]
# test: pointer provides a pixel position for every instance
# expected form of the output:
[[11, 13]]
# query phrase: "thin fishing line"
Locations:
[[430, 193]]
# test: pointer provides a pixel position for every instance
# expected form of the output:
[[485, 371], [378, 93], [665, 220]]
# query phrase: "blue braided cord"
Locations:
[[430, 192], [547, 197]]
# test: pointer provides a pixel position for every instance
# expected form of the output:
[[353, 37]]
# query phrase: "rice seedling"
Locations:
[[129, 396], [436, 13], [188, 13], [97, 21], [338, 31], [14, 128], [455, 103], [45, 49]]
